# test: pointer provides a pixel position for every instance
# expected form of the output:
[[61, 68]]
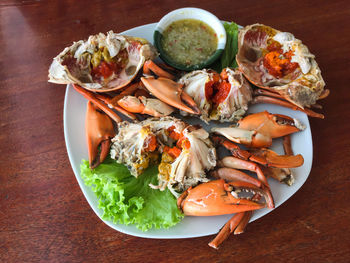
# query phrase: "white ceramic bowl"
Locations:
[[190, 13]]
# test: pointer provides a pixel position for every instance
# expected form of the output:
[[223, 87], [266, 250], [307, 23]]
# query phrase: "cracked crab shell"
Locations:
[[232, 107], [75, 64], [302, 86]]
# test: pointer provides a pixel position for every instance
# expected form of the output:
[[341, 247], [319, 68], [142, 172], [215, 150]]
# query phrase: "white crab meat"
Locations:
[[194, 85], [191, 166], [79, 64]]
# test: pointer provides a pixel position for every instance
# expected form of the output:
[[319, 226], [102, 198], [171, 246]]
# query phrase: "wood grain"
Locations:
[[44, 215]]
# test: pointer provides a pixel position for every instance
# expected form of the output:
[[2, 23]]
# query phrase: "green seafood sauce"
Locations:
[[189, 42]]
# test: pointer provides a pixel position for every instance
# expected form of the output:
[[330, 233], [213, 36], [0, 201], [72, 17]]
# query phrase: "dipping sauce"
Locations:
[[189, 42]]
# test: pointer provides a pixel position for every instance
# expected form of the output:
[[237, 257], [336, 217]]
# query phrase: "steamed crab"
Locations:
[[185, 151], [224, 97], [102, 63], [282, 65]]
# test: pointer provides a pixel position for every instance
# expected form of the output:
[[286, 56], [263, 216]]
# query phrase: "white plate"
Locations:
[[74, 131]]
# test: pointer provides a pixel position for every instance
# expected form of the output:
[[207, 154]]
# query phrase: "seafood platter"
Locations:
[[189, 127]]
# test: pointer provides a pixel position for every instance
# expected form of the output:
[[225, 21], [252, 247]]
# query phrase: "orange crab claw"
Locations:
[[143, 105], [171, 93], [99, 129], [258, 129], [272, 159], [242, 136], [273, 125], [219, 198]]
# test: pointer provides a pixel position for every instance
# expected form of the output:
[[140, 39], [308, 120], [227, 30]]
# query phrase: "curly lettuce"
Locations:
[[125, 199]]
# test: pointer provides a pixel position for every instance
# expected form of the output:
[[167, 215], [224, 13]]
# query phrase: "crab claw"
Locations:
[[99, 129], [236, 163], [143, 105], [219, 198], [242, 136], [171, 93], [283, 175], [258, 129], [273, 125], [272, 159]]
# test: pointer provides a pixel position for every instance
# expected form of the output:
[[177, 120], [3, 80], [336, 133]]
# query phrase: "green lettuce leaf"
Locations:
[[125, 199], [228, 57]]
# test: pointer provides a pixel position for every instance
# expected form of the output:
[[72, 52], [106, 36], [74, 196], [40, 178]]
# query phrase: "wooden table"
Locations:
[[43, 213]]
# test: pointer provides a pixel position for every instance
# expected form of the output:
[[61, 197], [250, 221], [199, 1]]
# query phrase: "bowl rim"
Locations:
[[189, 13]]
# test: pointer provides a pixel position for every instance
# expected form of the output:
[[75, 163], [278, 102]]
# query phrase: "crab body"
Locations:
[[279, 62], [223, 97], [102, 63]]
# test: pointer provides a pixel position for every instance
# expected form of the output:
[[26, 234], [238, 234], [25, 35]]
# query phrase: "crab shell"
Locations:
[[232, 108], [236, 103], [129, 143], [303, 87], [73, 64], [192, 165], [188, 169]]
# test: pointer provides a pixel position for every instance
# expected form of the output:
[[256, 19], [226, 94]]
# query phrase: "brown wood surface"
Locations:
[[43, 213]]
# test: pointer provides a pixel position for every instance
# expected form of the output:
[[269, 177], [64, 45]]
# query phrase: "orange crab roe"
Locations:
[[278, 63]]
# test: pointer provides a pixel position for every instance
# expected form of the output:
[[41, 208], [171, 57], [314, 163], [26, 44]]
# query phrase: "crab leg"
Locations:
[[150, 67], [283, 175], [91, 97], [219, 198], [128, 91], [108, 100], [235, 163], [231, 174], [265, 99], [171, 93], [236, 224], [287, 145], [143, 105], [268, 93], [226, 230], [244, 222], [236, 151], [99, 129]]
